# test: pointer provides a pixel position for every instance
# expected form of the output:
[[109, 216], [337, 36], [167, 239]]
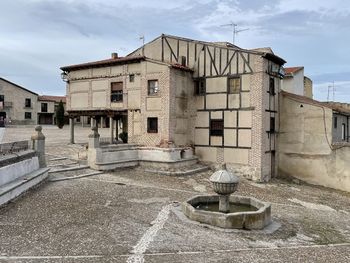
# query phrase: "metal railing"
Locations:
[[13, 147]]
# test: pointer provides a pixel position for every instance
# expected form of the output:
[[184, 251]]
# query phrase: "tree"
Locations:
[[60, 115]]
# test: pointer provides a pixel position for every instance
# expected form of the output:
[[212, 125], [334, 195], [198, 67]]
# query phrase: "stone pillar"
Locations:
[[111, 124], [71, 126], [224, 203], [92, 123], [117, 129], [101, 122], [38, 140], [94, 139]]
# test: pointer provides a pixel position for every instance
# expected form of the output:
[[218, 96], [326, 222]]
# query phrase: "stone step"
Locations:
[[183, 171], [58, 178], [69, 168], [19, 186]]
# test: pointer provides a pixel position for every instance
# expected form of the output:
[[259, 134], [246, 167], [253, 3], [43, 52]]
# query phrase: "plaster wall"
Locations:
[[295, 83], [304, 149]]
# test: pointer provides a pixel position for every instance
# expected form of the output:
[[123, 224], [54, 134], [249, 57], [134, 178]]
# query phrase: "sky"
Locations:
[[37, 37]]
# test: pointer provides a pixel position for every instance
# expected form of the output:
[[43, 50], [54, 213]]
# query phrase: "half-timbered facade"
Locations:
[[217, 97]]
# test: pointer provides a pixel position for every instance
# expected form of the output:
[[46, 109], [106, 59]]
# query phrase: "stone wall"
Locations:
[[15, 104]]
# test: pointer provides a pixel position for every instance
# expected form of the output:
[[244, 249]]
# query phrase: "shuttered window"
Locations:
[[234, 85], [216, 127]]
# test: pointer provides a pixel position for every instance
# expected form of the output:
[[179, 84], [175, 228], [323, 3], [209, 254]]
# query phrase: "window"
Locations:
[[234, 85], [272, 86], [28, 115], [28, 103], [152, 125], [116, 91], [43, 107], [153, 88], [272, 124], [216, 127], [2, 98], [343, 132], [131, 77], [199, 87], [335, 122]]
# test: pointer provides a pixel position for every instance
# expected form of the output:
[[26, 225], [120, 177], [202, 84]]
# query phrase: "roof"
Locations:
[[292, 70], [181, 67], [265, 52], [52, 98], [307, 100], [18, 86], [105, 62]]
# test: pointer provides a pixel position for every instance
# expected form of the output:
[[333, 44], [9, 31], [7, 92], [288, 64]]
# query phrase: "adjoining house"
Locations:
[[18, 105], [21, 106], [296, 82], [313, 141], [177, 92], [47, 106]]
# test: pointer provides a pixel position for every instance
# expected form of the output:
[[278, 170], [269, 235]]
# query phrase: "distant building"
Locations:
[[176, 92], [296, 82], [47, 106], [20, 106]]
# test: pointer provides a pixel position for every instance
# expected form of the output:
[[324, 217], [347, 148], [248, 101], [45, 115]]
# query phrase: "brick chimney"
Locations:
[[114, 55]]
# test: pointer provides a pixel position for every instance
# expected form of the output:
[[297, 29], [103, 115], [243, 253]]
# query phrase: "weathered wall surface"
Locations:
[[15, 104], [304, 146], [295, 83], [308, 88]]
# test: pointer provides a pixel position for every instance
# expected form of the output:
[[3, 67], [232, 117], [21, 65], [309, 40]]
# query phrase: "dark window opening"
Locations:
[[272, 86], [216, 128], [28, 103], [2, 98], [152, 125], [183, 60], [234, 85], [43, 107], [335, 122], [116, 91], [272, 124], [199, 87], [28, 115], [343, 132], [153, 87], [131, 77]]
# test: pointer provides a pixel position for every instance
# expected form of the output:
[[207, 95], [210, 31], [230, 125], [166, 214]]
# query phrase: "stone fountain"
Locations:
[[226, 210]]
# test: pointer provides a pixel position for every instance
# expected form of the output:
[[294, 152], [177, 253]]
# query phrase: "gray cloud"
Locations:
[[39, 36]]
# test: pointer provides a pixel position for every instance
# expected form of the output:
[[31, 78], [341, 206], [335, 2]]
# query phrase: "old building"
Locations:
[[47, 106], [175, 92], [296, 82], [18, 105], [313, 142]]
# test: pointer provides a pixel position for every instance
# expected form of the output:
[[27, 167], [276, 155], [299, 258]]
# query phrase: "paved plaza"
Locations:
[[132, 216]]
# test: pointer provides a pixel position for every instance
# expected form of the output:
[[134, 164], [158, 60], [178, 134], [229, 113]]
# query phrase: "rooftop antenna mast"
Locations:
[[333, 91], [235, 31], [142, 37]]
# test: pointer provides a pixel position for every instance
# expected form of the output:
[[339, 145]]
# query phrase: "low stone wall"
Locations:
[[330, 170], [129, 155], [13, 167]]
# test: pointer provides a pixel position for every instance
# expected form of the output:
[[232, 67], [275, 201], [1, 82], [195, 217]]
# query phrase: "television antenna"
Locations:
[[333, 91], [235, 30]]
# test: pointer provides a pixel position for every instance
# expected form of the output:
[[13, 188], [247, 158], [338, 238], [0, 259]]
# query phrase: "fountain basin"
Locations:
[[253, 215]]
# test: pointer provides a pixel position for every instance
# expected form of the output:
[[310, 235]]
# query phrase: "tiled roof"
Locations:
[[52, 98], [307, 100], [181, 67], [105, 62], [292, 70]]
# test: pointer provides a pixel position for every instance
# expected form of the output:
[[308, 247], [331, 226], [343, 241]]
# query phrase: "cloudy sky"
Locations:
[[39, 36]]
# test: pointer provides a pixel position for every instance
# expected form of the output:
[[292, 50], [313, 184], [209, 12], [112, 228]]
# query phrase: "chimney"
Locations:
[[114, 55]]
